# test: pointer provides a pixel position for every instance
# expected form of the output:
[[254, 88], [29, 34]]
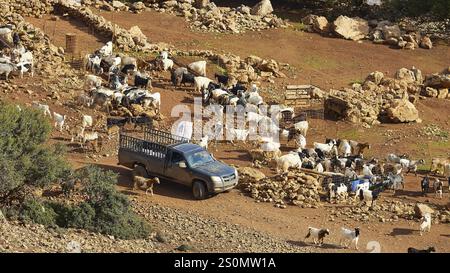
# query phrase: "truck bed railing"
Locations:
[[162, 137], [142, 146]]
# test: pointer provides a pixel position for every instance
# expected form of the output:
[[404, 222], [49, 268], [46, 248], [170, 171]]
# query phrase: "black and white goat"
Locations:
[[317, 234], [350, 235]]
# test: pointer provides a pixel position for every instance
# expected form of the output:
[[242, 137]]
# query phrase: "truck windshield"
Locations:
[[199, 158]]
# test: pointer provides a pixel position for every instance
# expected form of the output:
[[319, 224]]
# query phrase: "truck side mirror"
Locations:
[[182, 165]]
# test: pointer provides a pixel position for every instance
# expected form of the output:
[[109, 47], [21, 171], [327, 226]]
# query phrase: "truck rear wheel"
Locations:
[[199, 190], [139, 171]]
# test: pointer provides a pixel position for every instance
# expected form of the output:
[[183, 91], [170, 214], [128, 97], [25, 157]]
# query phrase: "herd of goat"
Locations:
[[342, 160]]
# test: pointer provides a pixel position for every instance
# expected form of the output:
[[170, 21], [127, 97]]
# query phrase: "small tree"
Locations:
[[24, 158]]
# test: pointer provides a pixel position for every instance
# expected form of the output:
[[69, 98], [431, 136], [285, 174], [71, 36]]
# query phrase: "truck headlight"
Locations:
[[216, 179]]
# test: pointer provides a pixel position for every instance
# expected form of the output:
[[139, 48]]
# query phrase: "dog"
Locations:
[[145, 183]]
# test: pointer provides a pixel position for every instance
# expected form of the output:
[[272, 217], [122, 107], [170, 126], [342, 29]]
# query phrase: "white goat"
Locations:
[[345, 148], [92, 81], [201, 83], [167, 64], [86, 121], [59, 120], [199, 67], [43, 107], [291, 160], [107, 49], [204, 142], [302, 127], [425, 226]]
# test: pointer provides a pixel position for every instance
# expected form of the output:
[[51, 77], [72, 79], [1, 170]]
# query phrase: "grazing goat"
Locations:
[[86, 121], [107, 49], [317, 234], [291, 160], [415, 250], [6, 69], [92, 82], [201, 84], [438, 188], [411, 165], [167, 64], [302, 127], [345, 148], [204, 142], [368, 195], [142, 81], [198, 67], [358, 148], [222, 79], [176, 75], [42, 107], [350, 235], [325, 148], [425, 226], [425, 185], [59, 120], [145, 183], [84, 100]]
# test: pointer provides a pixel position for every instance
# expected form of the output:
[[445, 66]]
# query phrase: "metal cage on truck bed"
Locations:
[[141, 146], [163, 138]]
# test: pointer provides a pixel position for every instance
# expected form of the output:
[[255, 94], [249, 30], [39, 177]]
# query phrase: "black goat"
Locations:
[[222, 79], [238, 87], [187, 78], [142, 82], [127, 68], [415, 250]]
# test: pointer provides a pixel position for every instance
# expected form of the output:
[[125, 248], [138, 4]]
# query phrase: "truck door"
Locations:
[[175, 172]]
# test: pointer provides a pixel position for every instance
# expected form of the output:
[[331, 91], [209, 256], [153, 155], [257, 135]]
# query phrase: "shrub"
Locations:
[[35, 211], [114, 217], [97, 183], [24, 159]]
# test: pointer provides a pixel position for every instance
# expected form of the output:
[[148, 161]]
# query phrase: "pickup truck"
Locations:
[[173, 158]]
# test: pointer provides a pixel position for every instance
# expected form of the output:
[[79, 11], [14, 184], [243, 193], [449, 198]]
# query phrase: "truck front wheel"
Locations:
[[199, 190]]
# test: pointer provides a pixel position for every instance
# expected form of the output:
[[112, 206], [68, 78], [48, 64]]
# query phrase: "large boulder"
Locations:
[[263, 8], [391, 31], [138, 37], [318, 23], [375, 77], [118, 5], [421, 209], [403, 111], [406, 75], [138, 6], [438, 81], [426, 43], [351, 28]]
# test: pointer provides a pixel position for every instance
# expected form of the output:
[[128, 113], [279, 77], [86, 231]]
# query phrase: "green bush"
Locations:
[[35, 211], [114, 217], [97, 183], [25, 160]]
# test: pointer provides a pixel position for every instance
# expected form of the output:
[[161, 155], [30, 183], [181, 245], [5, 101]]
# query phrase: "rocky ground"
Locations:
[[174, 231]]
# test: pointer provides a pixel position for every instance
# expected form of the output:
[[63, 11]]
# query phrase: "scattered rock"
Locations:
[[351, 28]]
